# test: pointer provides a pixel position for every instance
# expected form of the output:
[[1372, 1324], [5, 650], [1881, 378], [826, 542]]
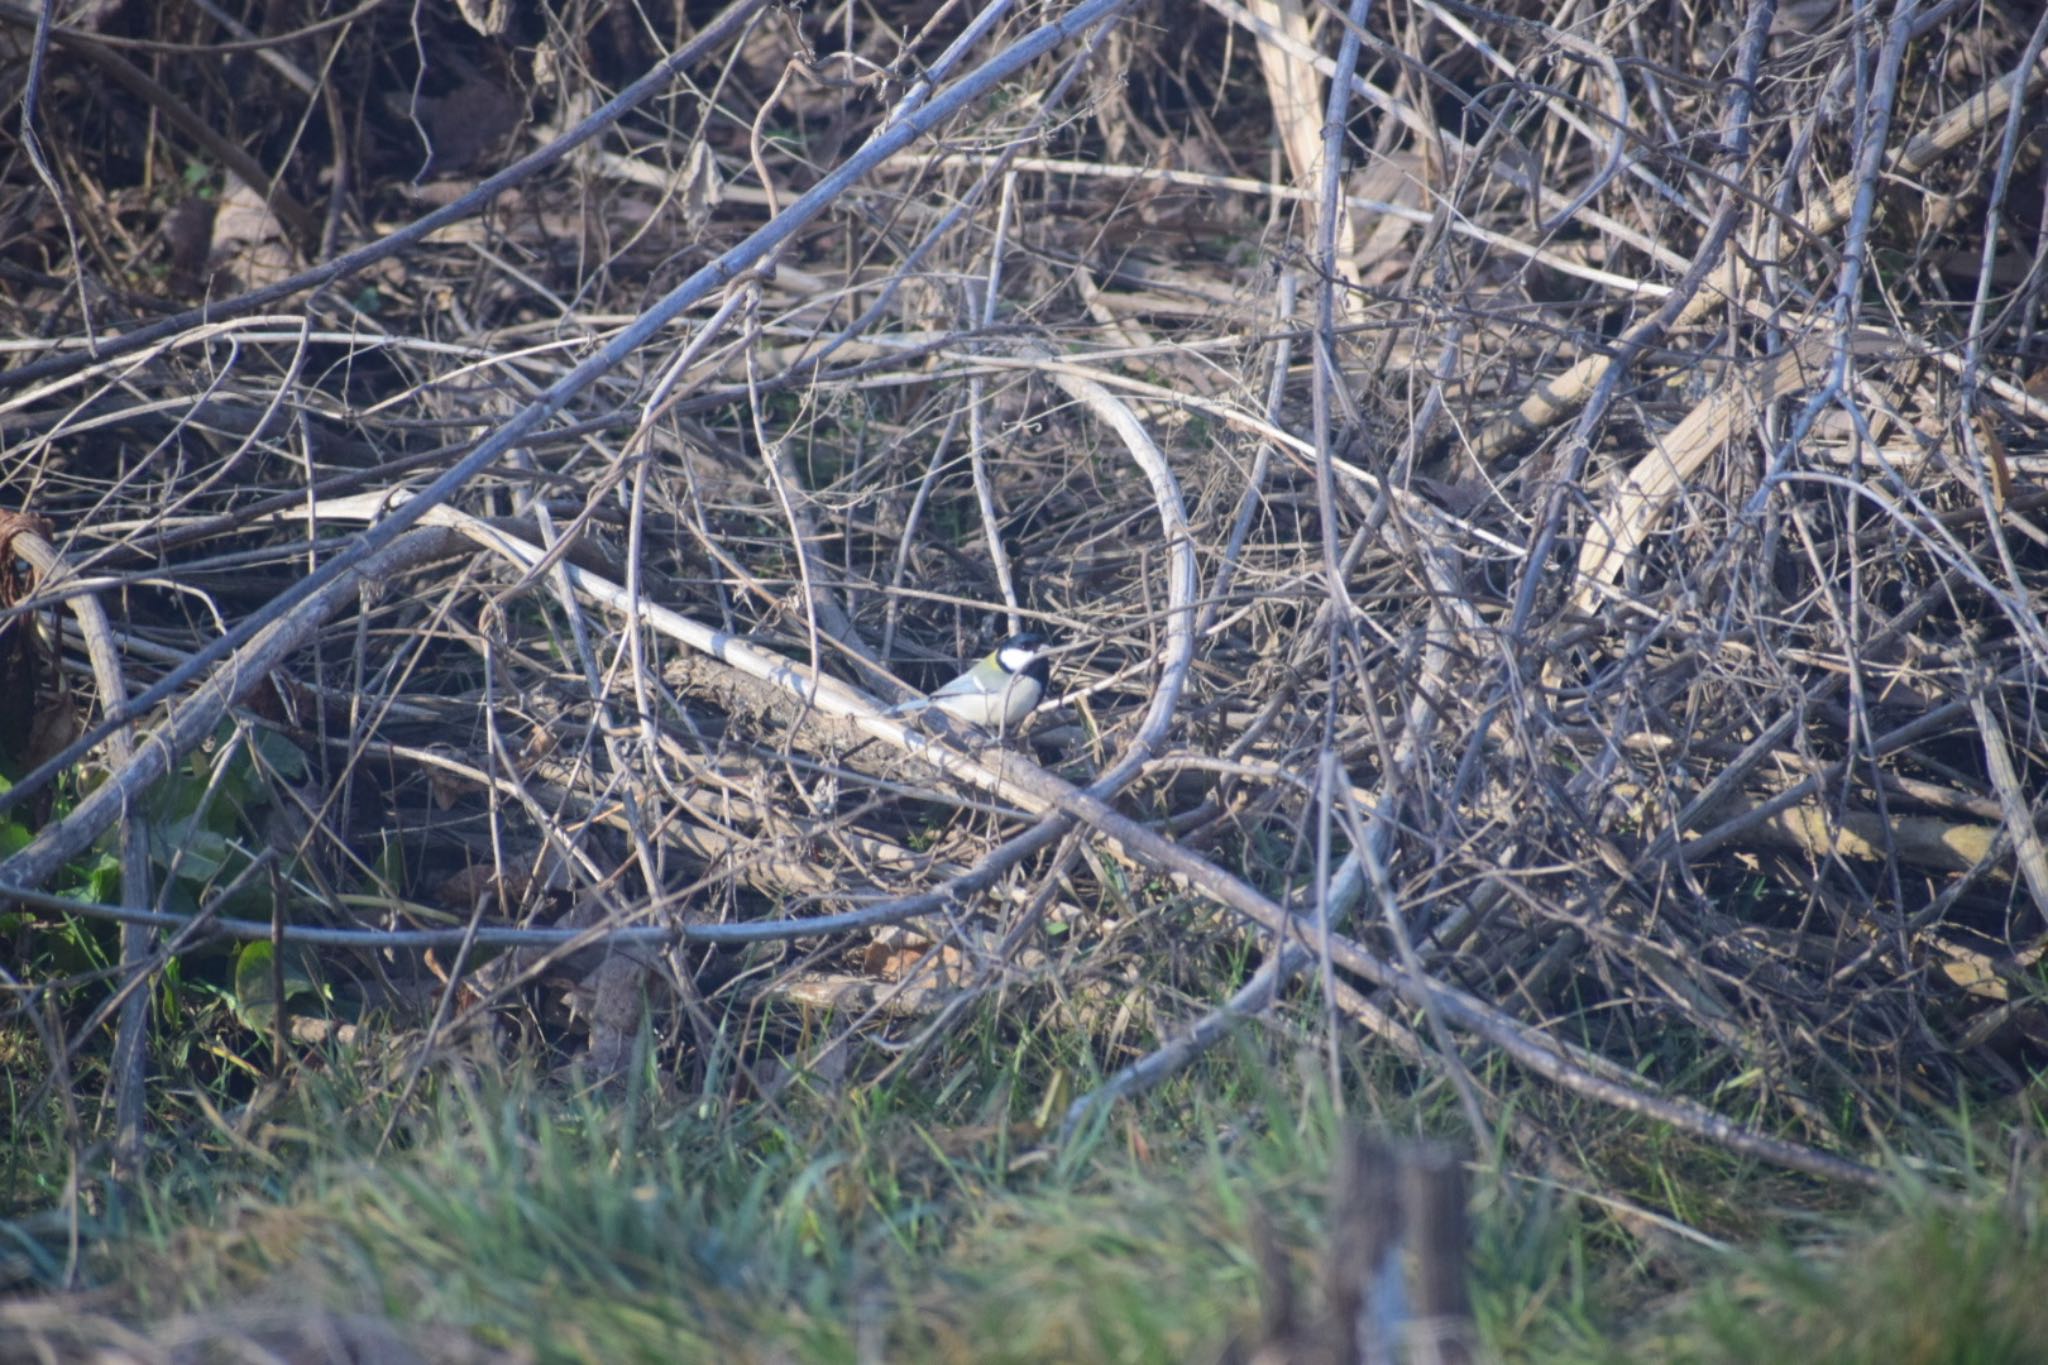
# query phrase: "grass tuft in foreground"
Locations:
[[513, 1217]]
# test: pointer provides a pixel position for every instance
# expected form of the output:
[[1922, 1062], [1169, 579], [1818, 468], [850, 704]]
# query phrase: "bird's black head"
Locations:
[[1032, 640]]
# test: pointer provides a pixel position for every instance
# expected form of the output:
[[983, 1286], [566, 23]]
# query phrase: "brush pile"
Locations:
[[1542, 512]]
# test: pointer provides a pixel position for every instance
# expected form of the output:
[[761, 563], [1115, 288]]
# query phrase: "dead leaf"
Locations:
[[249, 241]]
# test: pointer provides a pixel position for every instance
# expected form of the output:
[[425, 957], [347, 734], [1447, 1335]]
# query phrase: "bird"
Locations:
[[999, 691]]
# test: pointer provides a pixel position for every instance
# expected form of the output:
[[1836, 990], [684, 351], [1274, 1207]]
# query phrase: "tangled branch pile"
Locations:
[[1584, 584]]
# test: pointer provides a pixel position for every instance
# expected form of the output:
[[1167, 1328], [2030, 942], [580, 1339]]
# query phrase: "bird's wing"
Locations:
[[966, 685]]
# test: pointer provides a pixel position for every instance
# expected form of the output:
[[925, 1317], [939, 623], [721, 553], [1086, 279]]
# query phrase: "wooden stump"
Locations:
[[1393, 1274]]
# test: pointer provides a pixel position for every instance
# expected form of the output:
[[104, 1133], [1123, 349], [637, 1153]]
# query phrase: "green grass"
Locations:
[[1935, 1288], [916, 1218], [920, 1219]]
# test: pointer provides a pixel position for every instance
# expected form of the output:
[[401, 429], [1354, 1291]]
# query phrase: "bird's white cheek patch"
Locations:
[[1017, 660]]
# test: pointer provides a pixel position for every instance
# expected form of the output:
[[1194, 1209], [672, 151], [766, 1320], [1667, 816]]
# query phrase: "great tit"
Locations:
[[998, 692]]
